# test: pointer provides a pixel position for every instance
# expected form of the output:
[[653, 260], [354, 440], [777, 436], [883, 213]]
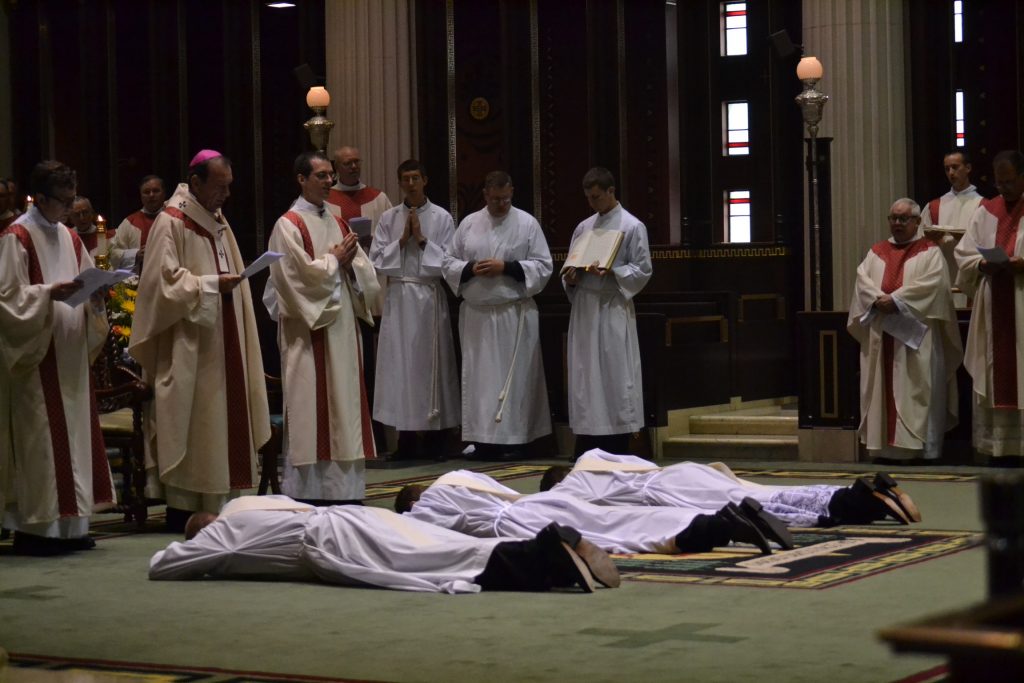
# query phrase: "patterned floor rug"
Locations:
[[823, 558]]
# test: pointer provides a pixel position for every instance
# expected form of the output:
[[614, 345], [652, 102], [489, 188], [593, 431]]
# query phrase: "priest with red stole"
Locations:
[[195, 336], [134, 229], [903, 317], [995, 338], [322, 286], [351, 198], [54, 471]]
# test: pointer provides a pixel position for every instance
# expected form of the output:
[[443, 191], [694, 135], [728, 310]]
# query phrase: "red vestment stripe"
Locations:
[[1004, 313], [933, 209], [49, 378], [351, 201], [236, 389], [895, 257], [143, 222]]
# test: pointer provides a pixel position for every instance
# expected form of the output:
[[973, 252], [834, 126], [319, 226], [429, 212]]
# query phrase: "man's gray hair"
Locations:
[[915, 208]]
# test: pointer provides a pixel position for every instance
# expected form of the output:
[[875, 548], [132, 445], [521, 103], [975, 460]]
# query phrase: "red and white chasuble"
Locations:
[[327, 411], [54, 471], [995, 337], [131, 236], [200, 351], [908, 396], [348, 202]]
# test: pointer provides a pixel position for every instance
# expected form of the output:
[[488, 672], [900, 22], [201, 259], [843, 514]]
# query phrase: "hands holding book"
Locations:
[[572, 274]]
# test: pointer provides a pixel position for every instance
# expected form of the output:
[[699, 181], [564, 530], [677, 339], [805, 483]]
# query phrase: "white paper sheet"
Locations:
[[905, 328], [94, 279], [259, 264]]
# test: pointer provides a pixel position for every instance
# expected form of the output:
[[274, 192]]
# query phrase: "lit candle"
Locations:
[[318, 97], [809, 68]]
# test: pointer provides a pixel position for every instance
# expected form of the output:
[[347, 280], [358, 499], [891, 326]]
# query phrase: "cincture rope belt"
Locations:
[[512, 365], [434, 284]]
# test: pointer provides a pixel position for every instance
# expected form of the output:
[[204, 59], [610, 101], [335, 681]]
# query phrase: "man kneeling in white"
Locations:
[[276, 537]]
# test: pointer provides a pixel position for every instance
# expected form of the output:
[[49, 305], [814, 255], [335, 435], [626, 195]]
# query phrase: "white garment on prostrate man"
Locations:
[[54, 471], [416, 382], [322, 286], [995, 340], [194, 334], [134, 229], [606, 403], [498, 261], [476, 504], [275, 537], [903, 317], [608, 479]]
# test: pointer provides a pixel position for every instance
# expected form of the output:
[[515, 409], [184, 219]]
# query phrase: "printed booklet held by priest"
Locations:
[[597, 246]]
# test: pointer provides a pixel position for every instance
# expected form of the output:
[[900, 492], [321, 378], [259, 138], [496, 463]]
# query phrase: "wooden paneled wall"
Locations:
[[119, 89]]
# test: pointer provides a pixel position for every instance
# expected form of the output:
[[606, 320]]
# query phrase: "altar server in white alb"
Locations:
[[945, 218], [478, 505], [417, 386], [995, 340], [275, 537], [902, 315], [608, 479], [606, 402], [53, 466], [323, 285], [194, 334], [498, 261]]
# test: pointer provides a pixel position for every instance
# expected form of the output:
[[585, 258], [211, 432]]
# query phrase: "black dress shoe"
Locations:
[[599, 563], [773, 528], [81, 543], [873, 505], [38, 546], [742, 529], [885, 485]]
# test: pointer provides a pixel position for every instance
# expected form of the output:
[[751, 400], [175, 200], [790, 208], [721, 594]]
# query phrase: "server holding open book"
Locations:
[[609, 263]]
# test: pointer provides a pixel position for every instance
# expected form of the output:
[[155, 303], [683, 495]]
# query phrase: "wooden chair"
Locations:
[[271, 451], [120, 395]]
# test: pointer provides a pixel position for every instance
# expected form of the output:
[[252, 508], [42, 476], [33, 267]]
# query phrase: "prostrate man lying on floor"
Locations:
[[275, 537], [477, 505], [603, 478]]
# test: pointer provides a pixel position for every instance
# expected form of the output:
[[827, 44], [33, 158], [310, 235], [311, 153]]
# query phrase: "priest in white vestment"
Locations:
[[605, 478], [606, 403], [194, 334], [275, 537], [476, 504], [83, 220], [323, 285], [416, 376], [945, 218], [498, 261], [903, 317], [54, 471], [350, 197], [995, 340], [134, 229]]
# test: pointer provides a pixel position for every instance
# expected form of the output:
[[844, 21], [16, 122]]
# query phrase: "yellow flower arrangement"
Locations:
[[121, 309]]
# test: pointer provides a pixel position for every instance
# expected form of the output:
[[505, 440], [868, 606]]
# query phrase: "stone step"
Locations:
[[776, 425], [731, 447]]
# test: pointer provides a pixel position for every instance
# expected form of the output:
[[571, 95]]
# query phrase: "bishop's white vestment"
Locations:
[[995, 339], [504, 395], [200, 351], [328, 434], [908, 395], [605, 387], [54, 471], [416, 382]]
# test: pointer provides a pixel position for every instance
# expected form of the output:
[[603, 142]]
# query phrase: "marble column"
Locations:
[[861, 45], [372, 81]]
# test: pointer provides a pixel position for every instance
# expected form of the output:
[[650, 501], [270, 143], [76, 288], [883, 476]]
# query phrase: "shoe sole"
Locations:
[[772, 527], [741, 523], [887, 486], [582, 573], [599, 563]]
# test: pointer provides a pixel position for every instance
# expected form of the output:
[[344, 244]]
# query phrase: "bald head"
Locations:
[[348, 165]]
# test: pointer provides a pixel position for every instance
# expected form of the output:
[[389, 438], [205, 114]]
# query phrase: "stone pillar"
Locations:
[[860, 43], [372, 81]]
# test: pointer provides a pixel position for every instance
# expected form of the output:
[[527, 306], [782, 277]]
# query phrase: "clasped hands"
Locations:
[[346, 251], [412, 230], [573, 274], [886, 304]]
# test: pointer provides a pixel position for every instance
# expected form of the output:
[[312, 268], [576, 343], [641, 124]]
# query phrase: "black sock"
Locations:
[[704, 533]]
